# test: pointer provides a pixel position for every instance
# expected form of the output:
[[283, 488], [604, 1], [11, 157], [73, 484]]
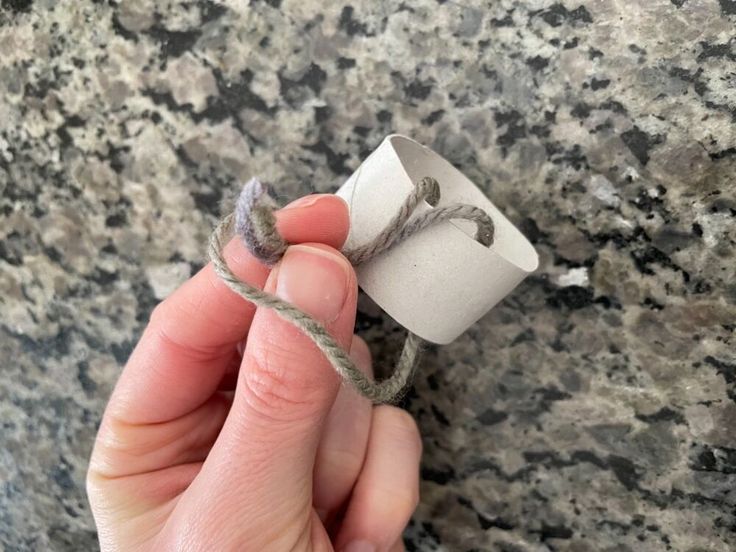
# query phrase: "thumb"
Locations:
[[286, 383], [265, 453]]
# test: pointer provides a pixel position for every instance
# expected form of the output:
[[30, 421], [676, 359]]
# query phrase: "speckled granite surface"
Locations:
[[595, 409]]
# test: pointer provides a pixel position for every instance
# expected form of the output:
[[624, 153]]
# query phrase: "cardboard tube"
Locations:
[[440, 281]]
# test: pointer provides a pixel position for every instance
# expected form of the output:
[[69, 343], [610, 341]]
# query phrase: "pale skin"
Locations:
[[228, 429]]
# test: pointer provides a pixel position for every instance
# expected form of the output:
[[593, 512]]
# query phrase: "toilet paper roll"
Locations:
[[440, 281]]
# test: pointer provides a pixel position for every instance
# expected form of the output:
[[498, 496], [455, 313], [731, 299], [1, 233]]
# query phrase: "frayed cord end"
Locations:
[[255, 223]]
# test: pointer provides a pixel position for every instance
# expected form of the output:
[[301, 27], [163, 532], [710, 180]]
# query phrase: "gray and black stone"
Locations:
[[594, 409]]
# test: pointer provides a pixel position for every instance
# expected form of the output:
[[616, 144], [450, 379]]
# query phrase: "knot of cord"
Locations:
[[255, 223]]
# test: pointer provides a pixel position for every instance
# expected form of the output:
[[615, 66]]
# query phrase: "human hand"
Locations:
[[228, 429]]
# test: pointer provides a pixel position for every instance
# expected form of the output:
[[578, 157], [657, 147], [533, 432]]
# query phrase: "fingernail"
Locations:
[[360, 546], [306, 201], [315, 280]]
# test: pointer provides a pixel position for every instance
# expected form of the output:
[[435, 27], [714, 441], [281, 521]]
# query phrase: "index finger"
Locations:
[[192, 335]]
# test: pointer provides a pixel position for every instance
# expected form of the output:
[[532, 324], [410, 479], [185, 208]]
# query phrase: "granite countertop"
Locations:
[[594, 409]]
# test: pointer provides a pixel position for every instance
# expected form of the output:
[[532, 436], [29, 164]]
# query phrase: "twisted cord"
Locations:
[[255, 223], [400, 227]]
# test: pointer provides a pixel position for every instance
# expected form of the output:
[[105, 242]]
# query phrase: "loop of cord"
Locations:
[[254, 222]]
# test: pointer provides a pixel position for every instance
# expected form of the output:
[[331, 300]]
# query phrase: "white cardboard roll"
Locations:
[[440, 281]]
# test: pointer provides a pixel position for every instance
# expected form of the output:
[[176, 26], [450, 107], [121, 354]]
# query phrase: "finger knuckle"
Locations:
[[404, 500], [342, 463], [92, 484], [402, 428], [159, 312], [114, 446], [275, 385]]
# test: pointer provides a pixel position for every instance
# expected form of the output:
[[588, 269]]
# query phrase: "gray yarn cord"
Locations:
[[255, 223]]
